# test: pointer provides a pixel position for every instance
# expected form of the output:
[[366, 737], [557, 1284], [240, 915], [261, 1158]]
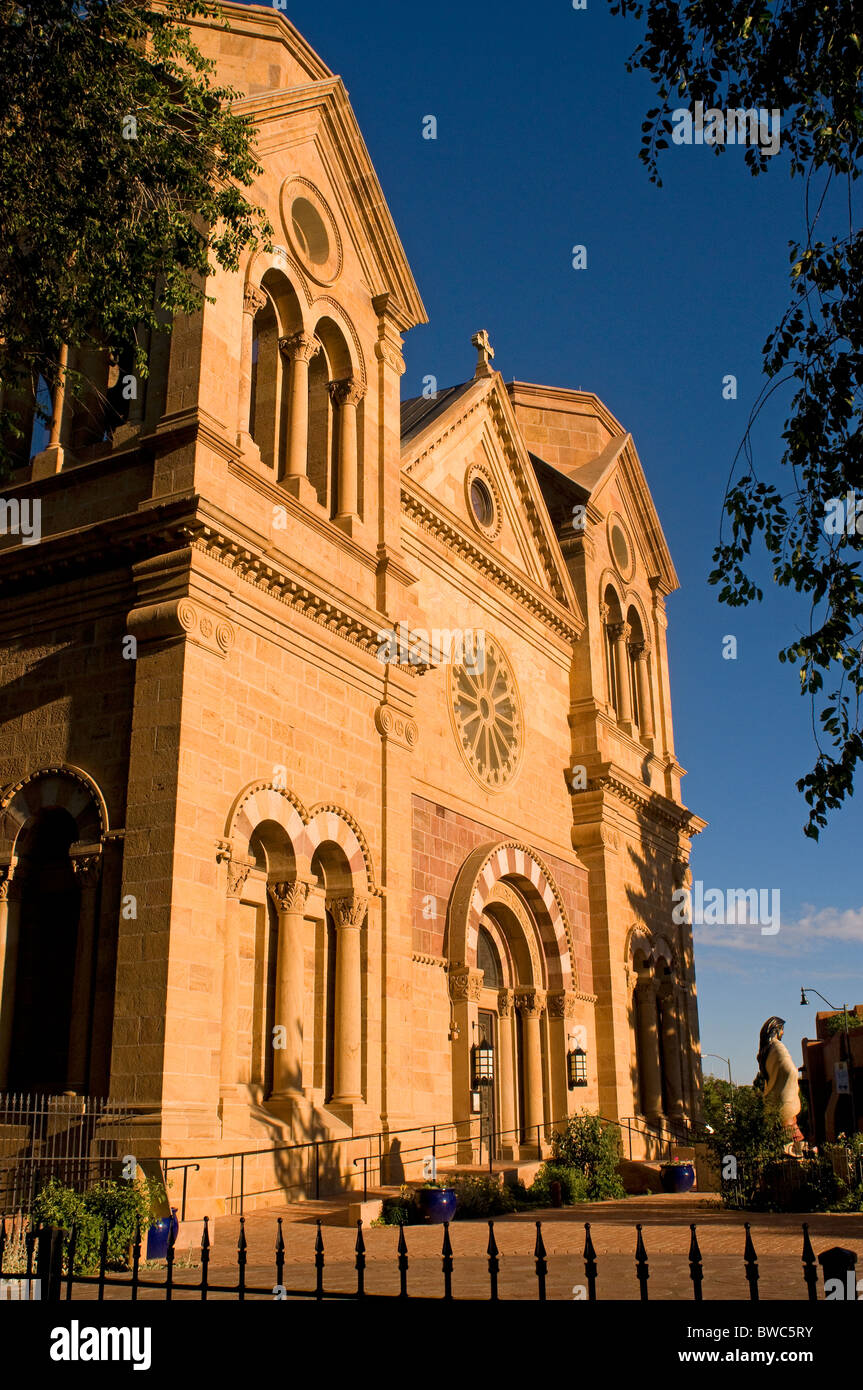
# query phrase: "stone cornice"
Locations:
[[653, 805], [542, 606]]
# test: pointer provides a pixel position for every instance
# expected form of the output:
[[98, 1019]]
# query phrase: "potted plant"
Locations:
[[436, 1202], [678, 1175]]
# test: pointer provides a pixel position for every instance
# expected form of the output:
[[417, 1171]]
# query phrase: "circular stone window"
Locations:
[[620, 548], [486, 715], [311, 230], [483, 501]]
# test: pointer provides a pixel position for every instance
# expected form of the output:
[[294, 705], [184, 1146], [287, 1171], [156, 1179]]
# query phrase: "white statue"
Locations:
[[778, 1074]]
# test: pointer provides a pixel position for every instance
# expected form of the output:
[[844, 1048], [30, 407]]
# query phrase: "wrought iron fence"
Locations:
[[79, 1140], [51, 1259]]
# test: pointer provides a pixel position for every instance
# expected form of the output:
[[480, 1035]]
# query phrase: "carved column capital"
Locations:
[[290, 896], [640, 650], [531, 1002], [86, 868], [253, 299], [505, 1002], [604, 612], [620, 632], [465, 985], [7, 878], [299, 347], [238, 869], [561, 1004], [349, 911], [348, 392]]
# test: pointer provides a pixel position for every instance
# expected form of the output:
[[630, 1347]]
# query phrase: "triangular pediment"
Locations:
[[471, 434], [319, 115], [599, 459]]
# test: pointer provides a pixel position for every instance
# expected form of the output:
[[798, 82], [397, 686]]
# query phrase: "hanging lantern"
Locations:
[[482, 1056], [576, 1062]]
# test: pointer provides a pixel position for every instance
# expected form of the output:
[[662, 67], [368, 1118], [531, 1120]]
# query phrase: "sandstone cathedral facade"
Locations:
[[336, 751]]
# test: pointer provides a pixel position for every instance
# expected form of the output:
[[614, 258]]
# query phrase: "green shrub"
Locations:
[[482, 1196], [592, 1148], [120, 1204], [574, 1185]]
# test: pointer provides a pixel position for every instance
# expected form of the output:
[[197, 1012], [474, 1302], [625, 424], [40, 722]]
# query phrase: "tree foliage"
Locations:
[[122, 169], [803, 58]]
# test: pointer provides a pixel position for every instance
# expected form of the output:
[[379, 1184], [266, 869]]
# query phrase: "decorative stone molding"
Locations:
[[561, 1004], [465, 985], [652, 804], [290, 896], [305, 829], [422, 958], [182, 617], [387, 353], [604, 612], [558, 618], [620, 632], [275, 581], [349, 912], [530, 1002], [395, 727]]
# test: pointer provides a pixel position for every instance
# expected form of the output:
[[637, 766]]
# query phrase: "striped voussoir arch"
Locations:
[[65, 788], [306, 829], [513, 860]]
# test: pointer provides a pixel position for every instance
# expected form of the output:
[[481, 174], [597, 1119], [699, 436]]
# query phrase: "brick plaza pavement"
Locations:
[[778, 1240]]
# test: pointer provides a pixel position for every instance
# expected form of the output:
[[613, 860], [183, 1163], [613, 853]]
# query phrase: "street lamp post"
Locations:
[[727, 1062], [805, 1002]]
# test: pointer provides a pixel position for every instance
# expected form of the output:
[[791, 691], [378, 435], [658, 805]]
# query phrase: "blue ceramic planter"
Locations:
[[158, 1234], [436, 1204], [677, 1177]]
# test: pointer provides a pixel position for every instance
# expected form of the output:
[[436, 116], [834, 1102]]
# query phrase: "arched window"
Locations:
[[488, 961], [266, 383], [611, 617]]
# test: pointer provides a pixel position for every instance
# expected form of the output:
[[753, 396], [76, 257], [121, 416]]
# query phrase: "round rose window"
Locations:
[[486, 713]]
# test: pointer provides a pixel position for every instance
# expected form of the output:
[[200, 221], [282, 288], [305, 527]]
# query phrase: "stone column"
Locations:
[[506, 1075], [531, 1005], [561, 1012], [641, 652], [238, 871], [671, 1058], [348, 914], [290, 901], [465, 986], [299, 351], [620, 635], [88, 872], [346, 396], [50, 460], [648, 1048], [9, 926], [254, 299]]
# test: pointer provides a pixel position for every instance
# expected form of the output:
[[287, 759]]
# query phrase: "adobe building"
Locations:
[[335, 728], [833, 1075]]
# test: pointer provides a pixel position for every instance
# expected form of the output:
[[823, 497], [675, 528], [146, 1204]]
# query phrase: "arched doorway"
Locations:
[[509, 949], [57, 957], [49, 906]]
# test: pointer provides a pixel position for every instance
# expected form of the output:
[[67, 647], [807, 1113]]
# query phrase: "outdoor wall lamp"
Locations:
[[576, 1067], [482, 1058]]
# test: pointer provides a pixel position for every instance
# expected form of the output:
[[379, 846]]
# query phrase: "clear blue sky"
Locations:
[[538, 133]]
